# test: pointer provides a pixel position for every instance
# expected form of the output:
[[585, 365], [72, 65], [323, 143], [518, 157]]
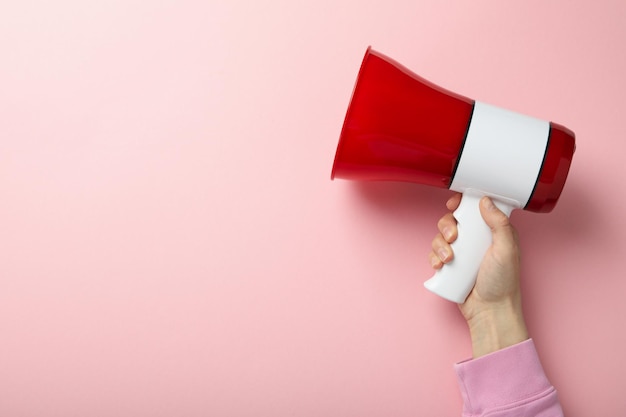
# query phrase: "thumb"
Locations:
[[504, 234], [497, 221]]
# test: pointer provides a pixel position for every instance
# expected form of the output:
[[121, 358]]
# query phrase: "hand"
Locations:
[[493, 310]]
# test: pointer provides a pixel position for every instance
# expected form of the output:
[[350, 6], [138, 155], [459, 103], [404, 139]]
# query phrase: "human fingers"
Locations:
[[497, 221], [435, 262], [454, 201], [441, 250], [448, 228]]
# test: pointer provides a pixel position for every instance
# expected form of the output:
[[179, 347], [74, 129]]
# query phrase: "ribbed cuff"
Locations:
[[504, 378]]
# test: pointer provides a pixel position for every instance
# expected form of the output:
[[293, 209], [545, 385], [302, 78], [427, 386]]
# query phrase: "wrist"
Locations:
[[499, 326]]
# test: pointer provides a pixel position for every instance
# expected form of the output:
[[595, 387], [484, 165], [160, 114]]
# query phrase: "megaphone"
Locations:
[[401, 127]]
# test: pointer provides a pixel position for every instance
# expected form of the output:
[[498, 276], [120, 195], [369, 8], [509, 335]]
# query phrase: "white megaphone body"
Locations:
[[400, 127]]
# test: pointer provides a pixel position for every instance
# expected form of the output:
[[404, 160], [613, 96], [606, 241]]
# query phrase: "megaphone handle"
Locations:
[[455, 280]]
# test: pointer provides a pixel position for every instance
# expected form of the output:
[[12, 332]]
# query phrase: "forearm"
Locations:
[[497, 327]]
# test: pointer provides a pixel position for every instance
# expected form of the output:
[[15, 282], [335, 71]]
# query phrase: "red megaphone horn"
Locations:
[[401, 127]]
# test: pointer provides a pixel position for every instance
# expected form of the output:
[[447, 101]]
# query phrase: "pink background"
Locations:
[[171, 243]]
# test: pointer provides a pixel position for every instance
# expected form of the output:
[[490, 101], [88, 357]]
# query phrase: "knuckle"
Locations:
[[446, 221]]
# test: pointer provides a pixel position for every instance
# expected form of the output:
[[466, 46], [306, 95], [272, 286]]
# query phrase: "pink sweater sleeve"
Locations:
[[509, 382]]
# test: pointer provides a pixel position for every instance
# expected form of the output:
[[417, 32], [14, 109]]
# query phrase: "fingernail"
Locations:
[[488, 203], [443, 254], [447, 233]]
